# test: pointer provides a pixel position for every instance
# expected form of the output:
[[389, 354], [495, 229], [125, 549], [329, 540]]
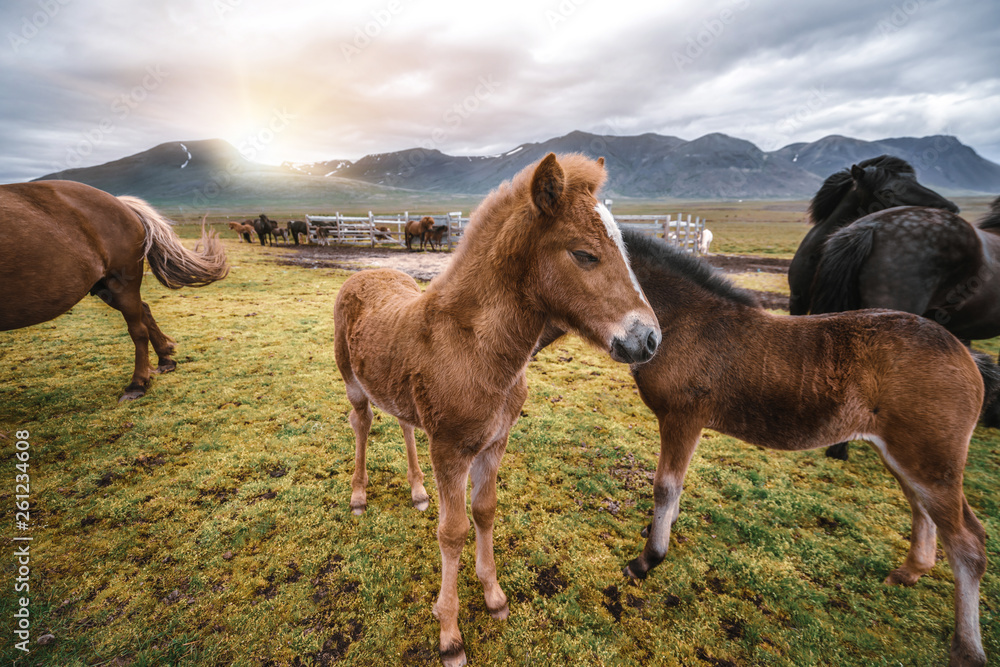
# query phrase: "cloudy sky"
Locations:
[[84, 82]]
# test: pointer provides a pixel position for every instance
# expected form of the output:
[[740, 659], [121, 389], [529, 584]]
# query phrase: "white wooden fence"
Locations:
[[372, 230], [681, 231]]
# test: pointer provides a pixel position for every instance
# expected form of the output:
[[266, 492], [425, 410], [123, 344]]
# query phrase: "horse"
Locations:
[[63, 240], [540, 247], [280, 231], [899, 381], [265, 227], [434, 236], [705, 241], [871, 185], [417, 229], [297, 227], [383, 232], [924, 261], [243, 229]]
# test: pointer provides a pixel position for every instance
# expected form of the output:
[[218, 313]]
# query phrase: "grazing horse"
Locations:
[[417, 229], [540, 247], [924, 261], [705, 242], [265, 228], [63, 240], [297, 227], [897, 380], [869, 186], [435, 235]]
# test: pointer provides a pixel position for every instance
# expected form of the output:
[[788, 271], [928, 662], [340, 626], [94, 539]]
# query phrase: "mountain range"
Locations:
[[209, 173]]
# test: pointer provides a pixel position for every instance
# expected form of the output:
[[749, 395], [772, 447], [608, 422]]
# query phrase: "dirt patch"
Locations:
[[427, 264]]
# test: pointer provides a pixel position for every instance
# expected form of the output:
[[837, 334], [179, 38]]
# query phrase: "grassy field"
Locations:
[[208, 523]]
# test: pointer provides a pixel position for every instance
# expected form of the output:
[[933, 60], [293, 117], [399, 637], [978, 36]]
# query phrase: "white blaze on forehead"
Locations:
[[616, 235]]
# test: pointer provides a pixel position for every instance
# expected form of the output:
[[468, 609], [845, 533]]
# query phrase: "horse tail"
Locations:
[[990, 373], [835, 286], [174, 265]]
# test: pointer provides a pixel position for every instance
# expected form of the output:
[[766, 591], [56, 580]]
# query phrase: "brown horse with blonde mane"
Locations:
[[541, 247], [897, 380], [63, 240]]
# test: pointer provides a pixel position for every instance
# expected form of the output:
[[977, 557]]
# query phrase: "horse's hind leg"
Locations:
[[163, 344], [414, 475], [944, 504], [121, 291], [923, 540]]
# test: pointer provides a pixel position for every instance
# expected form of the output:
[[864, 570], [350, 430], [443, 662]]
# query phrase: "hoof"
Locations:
[[902, 577], [165, 367], [838, 451], [132, 392], [454, 656], [422, 503], [502, 613], [631, 573], [358, 510]]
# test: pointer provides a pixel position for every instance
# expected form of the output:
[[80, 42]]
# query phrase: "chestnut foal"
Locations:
[[538, 248]]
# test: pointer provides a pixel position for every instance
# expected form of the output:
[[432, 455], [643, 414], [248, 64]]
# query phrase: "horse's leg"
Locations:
[[414, 475], [122, 294], [923, 539], [361, 422], [484, 504], [838, 451], [163, 344], [451, 470], [677, 445], [964, 540]]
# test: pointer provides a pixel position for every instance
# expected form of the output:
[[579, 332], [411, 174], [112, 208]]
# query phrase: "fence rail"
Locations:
[[371, 230]]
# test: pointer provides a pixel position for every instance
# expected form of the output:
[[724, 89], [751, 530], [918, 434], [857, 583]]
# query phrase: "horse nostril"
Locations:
[[652, 343]]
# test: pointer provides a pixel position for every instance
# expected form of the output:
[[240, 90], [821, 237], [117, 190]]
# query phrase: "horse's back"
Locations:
[[60, 238]]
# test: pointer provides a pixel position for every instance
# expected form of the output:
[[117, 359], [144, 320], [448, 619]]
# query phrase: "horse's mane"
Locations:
[[654, 252], [836, 186], [992, 218], [515, 195]]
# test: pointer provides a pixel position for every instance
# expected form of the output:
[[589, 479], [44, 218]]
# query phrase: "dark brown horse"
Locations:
[[435, 235], [869, 186], [897, 380], [63, 240], [541, 247], [265, 227], [298, 228], [415, 229]]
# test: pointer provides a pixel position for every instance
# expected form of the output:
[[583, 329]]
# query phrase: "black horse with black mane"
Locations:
[[871, 185]]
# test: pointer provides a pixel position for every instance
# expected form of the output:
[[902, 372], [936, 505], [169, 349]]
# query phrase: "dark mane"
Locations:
[[992, 218], [655, 252], [836, 186]]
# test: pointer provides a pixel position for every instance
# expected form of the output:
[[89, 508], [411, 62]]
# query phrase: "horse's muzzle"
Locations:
[[638, 345]]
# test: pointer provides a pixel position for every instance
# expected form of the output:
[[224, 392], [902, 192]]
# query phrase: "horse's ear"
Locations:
[[547, 185], [600, 161], [857, 173]]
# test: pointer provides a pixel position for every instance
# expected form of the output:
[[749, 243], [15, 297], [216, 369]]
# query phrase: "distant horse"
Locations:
[[869, 186], [280, 231], [539, 247], [792, 383], [243, 229], [265, 228], [63, 240], [383, 232], [924, 261], [298, 227], [705, 242], [415, 229], [435, 235]]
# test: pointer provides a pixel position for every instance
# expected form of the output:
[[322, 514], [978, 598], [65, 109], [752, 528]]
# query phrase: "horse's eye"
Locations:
[[584, 258]]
